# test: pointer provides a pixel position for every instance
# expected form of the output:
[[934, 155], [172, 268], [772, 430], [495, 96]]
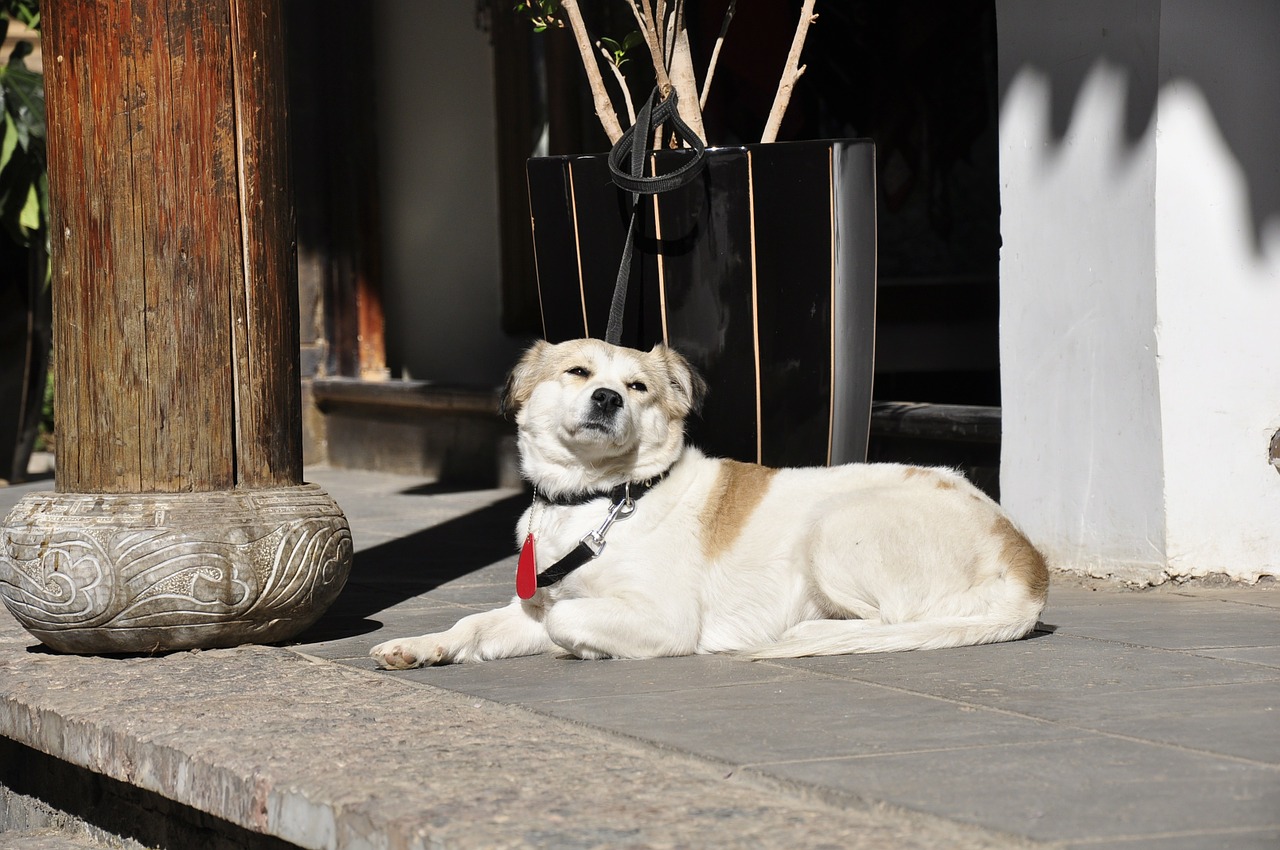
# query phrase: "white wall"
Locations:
[[1140, 372], [1218, 255], [438, 161], [1077, 276]]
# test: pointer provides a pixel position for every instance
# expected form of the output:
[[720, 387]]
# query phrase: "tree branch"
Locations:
[[715, 53], [685, 82], [622, 83], [651, 29], [790, 73], [604, 105]]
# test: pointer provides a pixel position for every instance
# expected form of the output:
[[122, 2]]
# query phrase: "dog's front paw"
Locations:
[[406, 653]]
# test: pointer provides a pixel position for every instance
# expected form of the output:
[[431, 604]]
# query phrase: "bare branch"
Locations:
[[651, 29], [685, 83], [622, 82], [715, 53], [671, 23], [634, 6], [659, 16], [604, 105], [790, 73]]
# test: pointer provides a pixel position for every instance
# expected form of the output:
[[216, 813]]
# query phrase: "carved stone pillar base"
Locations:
[[162, 571]]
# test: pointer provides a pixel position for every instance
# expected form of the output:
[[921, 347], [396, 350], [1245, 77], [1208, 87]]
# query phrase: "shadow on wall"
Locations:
[[1226, 49]]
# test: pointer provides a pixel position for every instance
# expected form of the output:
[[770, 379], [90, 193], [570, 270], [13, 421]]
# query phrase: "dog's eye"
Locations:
[[638, 386], [578, 371]]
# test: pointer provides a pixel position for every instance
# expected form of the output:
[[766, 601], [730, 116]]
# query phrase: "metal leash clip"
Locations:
[[594, 540]]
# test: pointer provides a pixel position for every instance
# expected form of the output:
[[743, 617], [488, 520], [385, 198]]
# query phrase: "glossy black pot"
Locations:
[[762, 272]]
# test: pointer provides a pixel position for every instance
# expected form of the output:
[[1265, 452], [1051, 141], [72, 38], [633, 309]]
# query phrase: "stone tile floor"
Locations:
[[1132, 720]]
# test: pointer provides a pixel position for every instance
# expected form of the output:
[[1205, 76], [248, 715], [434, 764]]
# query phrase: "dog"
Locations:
[[637, 545]]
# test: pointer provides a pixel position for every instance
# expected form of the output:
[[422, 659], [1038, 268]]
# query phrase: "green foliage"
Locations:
[[619, 50], [24, 184], [543, 14], [44, 437], [26, 11]]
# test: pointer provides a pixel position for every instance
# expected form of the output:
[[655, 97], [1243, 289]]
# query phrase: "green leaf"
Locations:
[[10, 142], [29, 217], [25, 96]]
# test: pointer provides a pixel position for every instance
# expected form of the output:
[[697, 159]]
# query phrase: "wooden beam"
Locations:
[[181, 519], [175, 304]]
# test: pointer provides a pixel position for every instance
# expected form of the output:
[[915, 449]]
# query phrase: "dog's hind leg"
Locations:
[[506, 632]]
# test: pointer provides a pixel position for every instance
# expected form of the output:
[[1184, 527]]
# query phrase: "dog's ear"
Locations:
[[522, 380], [689, 386]]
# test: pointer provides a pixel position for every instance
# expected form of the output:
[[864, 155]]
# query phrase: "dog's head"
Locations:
[[592, 414]]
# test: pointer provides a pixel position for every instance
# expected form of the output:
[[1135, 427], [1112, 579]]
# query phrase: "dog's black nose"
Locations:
[[606, 400]]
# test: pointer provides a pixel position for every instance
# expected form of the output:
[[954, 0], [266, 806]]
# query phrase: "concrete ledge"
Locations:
[[419, 396], [51, 804], [964, 437], [967, 423], [454, 434], [451, 434]]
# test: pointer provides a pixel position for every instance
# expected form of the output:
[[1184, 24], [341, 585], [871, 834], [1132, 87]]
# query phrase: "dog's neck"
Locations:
[[631, 490], [558, 477]]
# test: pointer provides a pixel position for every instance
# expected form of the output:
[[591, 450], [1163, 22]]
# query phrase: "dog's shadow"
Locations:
[[1041, 630], [385, 575]]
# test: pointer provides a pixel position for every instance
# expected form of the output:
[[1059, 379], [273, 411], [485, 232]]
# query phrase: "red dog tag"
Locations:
[[527, 570]]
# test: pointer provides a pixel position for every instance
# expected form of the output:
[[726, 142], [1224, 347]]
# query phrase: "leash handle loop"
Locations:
[[630, 151], [633, 147]]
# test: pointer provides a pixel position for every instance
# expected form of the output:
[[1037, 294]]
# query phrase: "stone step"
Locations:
[[54, 840]]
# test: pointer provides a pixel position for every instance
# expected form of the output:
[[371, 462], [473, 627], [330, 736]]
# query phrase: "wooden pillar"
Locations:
[[180, 517]]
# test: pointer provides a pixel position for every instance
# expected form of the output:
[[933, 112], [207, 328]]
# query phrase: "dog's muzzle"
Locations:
[[602, 411], [606, 402]]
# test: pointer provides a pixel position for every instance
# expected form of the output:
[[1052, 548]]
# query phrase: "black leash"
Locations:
[[561, 568], [630, 152], [626, 162]]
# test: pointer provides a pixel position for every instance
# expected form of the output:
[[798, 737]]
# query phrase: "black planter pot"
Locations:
[[762, 272]]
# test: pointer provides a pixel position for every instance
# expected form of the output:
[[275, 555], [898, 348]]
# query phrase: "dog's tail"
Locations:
[[847, 637]]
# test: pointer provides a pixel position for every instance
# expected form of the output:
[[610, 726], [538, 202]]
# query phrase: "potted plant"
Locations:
[[25, 306], [761, 269]]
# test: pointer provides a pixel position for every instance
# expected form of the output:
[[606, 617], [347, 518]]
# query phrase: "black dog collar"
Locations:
[[623, 503], [631, 489]]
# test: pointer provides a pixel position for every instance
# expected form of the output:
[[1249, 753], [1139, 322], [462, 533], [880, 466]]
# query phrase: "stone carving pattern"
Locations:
[[80, 562]]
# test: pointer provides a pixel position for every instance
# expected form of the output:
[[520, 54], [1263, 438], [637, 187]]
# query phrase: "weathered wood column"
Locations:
[[180, 518]]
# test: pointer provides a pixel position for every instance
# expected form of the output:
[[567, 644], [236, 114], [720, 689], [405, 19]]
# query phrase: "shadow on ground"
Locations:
[[407, 567]]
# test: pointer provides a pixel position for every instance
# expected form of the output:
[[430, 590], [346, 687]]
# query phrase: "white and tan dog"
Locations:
[[706, 555]]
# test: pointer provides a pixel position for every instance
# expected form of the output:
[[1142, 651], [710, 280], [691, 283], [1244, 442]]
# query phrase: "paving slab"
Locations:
[[1266, 656], [1036, 676], [797, 718], [547, 681], [1166, 619], [1239, 720], [1084, 788]]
